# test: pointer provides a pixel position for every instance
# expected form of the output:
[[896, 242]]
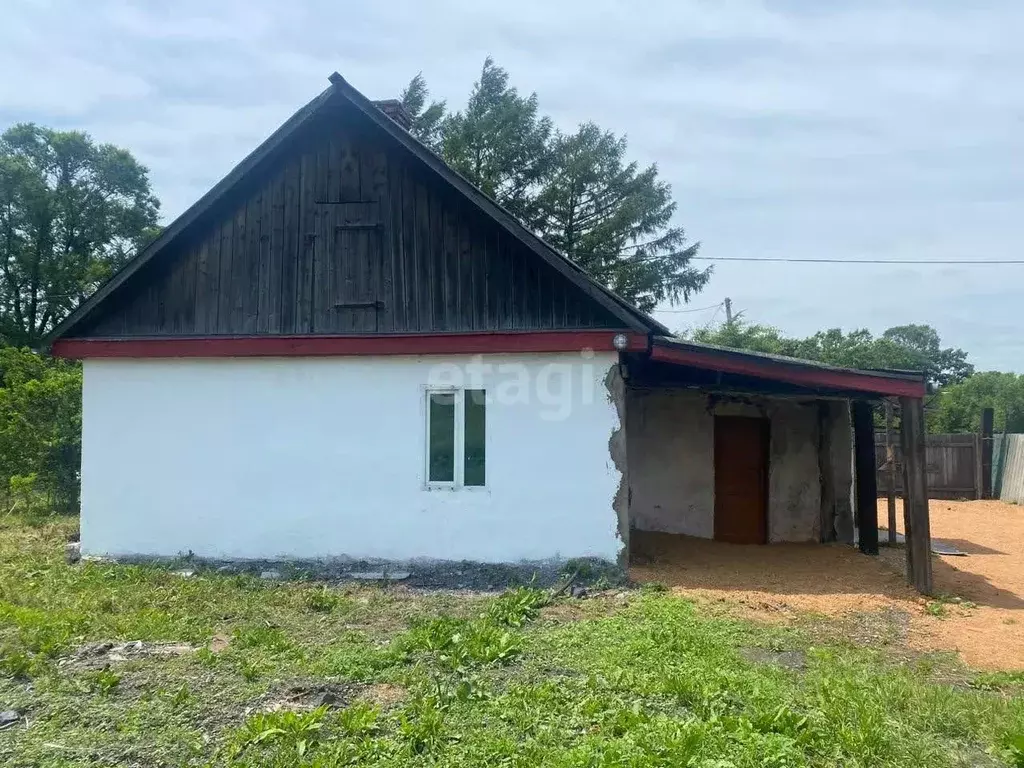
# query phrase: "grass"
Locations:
[[646, 680]]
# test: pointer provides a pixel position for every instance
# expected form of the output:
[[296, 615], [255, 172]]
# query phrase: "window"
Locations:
[[456, 437]]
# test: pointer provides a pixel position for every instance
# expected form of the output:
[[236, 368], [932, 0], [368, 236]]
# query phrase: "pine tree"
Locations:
[[614, 220], [576, 190], [500, 142], [426, 120]]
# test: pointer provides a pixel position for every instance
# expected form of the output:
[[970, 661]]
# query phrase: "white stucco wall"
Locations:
[[670, 443], [324, 457]]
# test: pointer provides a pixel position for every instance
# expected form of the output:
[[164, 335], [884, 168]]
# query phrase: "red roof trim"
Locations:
[[858, 381], [324, 346]]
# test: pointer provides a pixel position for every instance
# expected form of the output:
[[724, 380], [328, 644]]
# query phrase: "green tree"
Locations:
[[500, 142], [943, 365], [907, 347], [957, 408], [752, 337], [426, 119], [576, 190], [71, 212], [613, 218]]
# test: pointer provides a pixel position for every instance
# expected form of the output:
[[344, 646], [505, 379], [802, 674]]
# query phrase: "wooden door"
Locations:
[[741, 479]]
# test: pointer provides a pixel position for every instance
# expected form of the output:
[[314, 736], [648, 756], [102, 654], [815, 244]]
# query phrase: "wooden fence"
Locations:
[[953, 463]]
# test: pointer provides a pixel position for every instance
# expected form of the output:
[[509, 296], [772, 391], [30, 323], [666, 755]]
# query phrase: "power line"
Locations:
[[856, 261], [687, 311], [712, 320]]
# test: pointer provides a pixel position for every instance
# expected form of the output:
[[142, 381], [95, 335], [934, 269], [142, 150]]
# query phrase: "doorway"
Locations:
[[741, 479]]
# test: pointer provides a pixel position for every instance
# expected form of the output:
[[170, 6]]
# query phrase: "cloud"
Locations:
[[786, 127]]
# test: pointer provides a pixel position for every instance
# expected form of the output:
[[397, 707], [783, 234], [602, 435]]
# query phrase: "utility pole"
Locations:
[[729, 316]]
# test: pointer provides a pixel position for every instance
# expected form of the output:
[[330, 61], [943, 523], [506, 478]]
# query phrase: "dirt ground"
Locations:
[[977, 609]]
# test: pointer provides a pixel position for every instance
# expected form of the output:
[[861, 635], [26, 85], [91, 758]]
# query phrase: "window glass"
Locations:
[[441, 437], [475, 433]]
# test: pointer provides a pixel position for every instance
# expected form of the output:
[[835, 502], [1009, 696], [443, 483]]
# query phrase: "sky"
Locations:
[[789, 128]]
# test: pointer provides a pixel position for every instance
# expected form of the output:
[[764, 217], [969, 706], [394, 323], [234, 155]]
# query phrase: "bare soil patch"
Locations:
[[785, 582], [101, 655], [305, 696], [384, 695]]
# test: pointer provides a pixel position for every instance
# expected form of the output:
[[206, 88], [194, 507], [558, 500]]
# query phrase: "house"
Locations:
[[345, 350]]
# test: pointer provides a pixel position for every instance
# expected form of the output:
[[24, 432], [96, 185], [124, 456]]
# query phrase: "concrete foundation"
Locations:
[[417, 573], [670, 446]]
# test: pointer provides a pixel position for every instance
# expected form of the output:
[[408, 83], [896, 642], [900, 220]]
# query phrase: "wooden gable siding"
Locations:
[[344, 234]]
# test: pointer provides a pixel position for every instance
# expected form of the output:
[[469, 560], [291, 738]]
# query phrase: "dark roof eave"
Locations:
[[788, 369]]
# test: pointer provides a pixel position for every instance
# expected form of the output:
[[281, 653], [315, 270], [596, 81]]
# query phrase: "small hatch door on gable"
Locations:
[[348, 264]]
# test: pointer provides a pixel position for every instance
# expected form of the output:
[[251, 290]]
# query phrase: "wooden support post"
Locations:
[[987, 417], [977, 465], [890, 461], [915, 494], [867, 484]]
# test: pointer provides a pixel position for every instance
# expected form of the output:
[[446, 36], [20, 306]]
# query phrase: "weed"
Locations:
[[16, 664], [262, 637], [936, 608], [103, 682], [207, 658], [782, 720], [1014, 747], [290, 731], [486, 644], [181, 696], [321, 599], [422, 725], [433, 634], [479, 643], [250, 670], [998, 681], [359, 720], [517, 606]]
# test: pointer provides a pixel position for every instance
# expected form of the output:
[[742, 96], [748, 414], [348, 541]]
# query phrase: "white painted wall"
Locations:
[[324, 457], [671, 441]]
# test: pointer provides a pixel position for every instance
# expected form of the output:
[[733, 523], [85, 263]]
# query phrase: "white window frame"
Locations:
[[458, 483]]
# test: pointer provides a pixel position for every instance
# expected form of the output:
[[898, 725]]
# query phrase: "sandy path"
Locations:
[[781, 581]]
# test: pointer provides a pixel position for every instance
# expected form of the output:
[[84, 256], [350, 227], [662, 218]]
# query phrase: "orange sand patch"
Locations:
[[782, 581]]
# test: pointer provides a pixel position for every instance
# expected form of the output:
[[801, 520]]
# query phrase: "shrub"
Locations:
[[40, 431]]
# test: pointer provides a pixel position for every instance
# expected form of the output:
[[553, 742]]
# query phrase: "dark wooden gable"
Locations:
[[342, 231]]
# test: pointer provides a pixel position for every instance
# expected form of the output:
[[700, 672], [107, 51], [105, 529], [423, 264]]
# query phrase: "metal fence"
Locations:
[[1008, 468]]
